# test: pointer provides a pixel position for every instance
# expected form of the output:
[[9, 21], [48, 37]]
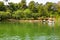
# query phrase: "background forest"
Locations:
[[32, 11]]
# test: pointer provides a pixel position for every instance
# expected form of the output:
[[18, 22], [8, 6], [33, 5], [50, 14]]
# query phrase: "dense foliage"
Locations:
[[33, 10]]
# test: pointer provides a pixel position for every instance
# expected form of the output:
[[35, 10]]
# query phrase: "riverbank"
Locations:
[[32, 20]]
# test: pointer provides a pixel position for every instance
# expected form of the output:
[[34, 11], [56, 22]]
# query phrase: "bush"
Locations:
[[27, 13], [4, 15], [18, 14], [35, 15]]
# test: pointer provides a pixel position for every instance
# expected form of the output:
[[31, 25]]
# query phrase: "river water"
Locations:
[[29, 31]]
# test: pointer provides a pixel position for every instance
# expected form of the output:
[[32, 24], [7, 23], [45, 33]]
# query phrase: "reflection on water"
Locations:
[[51, 23], [50, 37], [11, 38], [28, 31]]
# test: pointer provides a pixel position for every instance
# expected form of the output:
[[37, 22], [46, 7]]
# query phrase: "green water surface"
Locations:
[[29, 31]]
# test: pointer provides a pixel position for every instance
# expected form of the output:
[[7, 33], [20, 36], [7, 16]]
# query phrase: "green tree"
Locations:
[[35, 15], [39, 8], [58, 8], [18, 14], [2, 7], [13, 6], [44, 13], [4, 15], [27, 13], [23, 4], [32, 6]]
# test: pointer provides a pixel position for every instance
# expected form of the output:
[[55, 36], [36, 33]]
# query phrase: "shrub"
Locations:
[[18, 14], [4, 15], [27, 13]]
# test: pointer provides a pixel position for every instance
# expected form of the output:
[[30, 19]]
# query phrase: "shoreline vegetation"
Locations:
[[33, 12]]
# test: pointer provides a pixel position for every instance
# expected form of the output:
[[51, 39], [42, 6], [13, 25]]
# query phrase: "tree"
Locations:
[[32, 6], [18, 14], [23, 4], [44, 13], [51, 8], [4, 15], [27, 13], [39, 9], [35, 15], [13, 6], [33, 10], [58, 8], [2, 7]]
